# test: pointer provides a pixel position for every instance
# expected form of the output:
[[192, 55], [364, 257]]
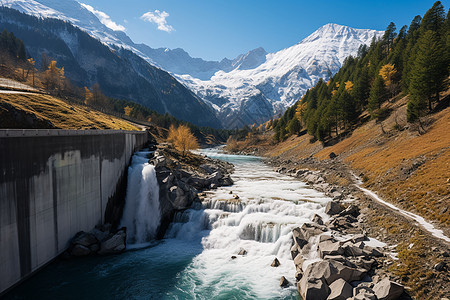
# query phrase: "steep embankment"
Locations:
[[28, 110]]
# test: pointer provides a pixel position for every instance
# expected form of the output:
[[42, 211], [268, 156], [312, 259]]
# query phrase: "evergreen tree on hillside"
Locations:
[[427, 75], [410, 51], [434, 18], [389, 36], [361, 89], [377, 95]]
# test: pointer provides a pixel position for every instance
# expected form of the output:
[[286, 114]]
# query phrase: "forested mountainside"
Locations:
[[415, 61], [119, 72]]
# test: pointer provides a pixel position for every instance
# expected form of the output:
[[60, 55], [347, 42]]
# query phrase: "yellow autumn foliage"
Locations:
[[182, 138]]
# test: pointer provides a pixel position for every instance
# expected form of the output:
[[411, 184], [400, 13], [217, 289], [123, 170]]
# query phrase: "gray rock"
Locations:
[[284, 282], [226, 181], [300, 172], [115, 244], [364, 292], [332, 270], [340, 290], [333, 208], [84, 238], [326, 237], [99, 235], [242, 252], [298, 262], [352, 210], [298, 275], [317, 219], [388, 290], [313, 288], [299, 238], [80, 250], [338, 258], [294, 251], [310, 229], [330, 248], [351, 249], [359, 238], [364, 263], [275, 263]]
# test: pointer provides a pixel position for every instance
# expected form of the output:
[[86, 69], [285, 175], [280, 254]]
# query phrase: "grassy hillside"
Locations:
[[44, 111]]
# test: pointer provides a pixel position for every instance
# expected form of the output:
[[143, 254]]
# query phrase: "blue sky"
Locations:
[[214, 29]]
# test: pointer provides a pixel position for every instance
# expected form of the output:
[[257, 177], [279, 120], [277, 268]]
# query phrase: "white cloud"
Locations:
[[104, 18], [159, 18]]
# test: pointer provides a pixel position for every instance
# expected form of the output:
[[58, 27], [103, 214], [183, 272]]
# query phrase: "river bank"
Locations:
[[421, 260]]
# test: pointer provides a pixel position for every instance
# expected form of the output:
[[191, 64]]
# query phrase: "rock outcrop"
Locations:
[[346, 261], [182, 179], [100, 240]]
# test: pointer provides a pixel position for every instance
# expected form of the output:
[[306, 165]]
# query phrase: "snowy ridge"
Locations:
[[284, 76], [252, 88], [77, 14]]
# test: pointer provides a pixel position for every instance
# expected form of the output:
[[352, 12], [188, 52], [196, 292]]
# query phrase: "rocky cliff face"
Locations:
[[182, 179]]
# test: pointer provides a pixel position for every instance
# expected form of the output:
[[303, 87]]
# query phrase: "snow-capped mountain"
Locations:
[[251, 88], [278, 80]]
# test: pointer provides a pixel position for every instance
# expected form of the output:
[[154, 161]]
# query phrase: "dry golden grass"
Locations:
[[62, 114]]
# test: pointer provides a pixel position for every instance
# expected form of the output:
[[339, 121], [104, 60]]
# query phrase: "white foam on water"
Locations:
[[270, 205], [141, 213]]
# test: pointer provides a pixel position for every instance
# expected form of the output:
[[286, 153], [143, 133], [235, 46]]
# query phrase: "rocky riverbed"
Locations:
[[348, 266]]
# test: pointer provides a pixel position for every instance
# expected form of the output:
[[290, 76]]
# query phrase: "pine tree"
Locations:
[[361, 89], [377, 95], [433, 18], [410, 51], [389, 36], [427, 75]]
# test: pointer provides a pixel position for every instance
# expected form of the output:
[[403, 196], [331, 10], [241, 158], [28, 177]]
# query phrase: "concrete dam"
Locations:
[[54, 183]]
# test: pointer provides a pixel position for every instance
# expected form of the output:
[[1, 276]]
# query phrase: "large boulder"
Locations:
[[340, 290], [331, 271], [317, 219], [179, 198], [299, 238], [333, 208], [388, 290], [226, 181], [275, 263], [284, 282], [310, 229], [313, 288], [115, 244], [330, 248], [85, 239]]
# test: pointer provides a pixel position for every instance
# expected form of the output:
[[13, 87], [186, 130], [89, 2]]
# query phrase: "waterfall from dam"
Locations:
[[141, 215], [199, 256]]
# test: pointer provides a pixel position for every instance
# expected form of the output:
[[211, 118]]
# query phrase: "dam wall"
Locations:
[[54, 183]]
